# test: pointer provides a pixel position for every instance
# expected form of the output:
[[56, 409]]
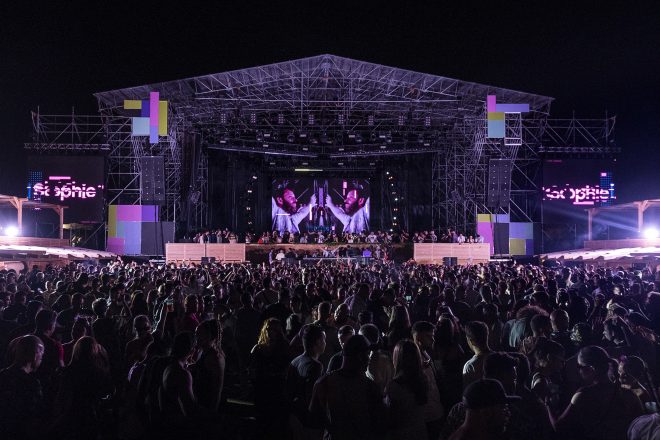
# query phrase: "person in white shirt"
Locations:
[[460, 239], [477, 339], [280, 255], [353, 213]]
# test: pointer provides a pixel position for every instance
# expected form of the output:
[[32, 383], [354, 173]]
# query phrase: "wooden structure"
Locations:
[[194, 252], [640, 206], [45, 251], [465, 253], [21, 203]]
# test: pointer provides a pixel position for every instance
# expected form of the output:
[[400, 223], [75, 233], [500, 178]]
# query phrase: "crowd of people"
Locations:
[[330, 236], [345, 351]]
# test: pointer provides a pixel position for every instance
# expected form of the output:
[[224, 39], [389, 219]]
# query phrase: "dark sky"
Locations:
[[591, 56]]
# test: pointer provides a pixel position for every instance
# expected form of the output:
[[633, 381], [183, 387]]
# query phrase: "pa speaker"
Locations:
[[499, 182], [450, 261], [152, 180]]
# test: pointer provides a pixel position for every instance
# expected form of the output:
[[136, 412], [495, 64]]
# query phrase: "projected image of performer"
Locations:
[[353, 212], [287, 212]]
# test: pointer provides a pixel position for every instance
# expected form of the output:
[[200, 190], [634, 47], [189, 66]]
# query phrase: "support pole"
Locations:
[[19, 208], [590, 213], [61, 213]]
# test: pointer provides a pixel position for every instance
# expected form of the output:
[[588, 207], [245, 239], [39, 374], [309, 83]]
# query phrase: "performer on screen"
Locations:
[[286, 212], [353, 213]]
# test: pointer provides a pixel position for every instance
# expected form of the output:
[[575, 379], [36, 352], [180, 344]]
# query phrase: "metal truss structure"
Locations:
[[325, 112]]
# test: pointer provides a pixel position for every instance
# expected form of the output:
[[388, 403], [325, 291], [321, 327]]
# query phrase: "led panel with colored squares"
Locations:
[[125, 225], [149, 116], [511, 238], [496, 119]]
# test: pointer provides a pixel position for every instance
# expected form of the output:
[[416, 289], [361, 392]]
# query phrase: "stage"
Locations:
[[425, 253]]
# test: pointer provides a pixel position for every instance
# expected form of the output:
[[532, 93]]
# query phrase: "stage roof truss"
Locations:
[[329, 107]]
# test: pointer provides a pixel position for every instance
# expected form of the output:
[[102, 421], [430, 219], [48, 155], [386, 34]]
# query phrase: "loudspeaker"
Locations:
[[208, 260], [152, 180], [449, 261], [499, 183]]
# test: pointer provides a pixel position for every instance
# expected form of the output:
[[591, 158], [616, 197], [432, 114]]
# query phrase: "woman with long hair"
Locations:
[[399, 326], [406, 394], [270, 360], [85, 381]]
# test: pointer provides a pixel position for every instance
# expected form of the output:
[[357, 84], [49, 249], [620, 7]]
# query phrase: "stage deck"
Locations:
[[608, 257]]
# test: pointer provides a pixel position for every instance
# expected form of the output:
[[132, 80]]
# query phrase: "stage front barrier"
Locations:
[[194, 252], [226, 252], [33, 241], [466, 253]]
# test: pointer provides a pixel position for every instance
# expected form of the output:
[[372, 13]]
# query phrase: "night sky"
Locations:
[[591, 57]]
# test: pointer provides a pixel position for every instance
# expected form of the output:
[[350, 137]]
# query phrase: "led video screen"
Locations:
[[310, 204], [572, 185], [76, 182]]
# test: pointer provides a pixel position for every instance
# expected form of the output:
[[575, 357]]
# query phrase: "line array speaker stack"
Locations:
[[152, 180], [499, 182]]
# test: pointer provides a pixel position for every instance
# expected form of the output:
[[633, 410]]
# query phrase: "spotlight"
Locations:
[[651, 233], [290, 138], [11, 231]]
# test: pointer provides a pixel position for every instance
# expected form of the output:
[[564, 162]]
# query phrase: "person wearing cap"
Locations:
[[602, 409], [345, 402], [529, 417], [486, 412]]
